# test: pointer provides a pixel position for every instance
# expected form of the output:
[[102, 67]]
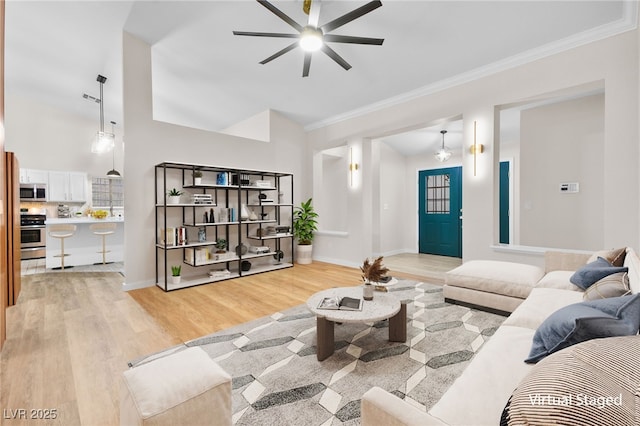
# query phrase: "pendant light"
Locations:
[[113, 173], [104, 141], [443, 154]]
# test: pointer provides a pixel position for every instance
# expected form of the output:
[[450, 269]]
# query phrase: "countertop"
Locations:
[[83, 219]]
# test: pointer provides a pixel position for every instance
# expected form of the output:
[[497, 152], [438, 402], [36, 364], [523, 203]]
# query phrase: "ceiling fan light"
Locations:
[[311, 39]]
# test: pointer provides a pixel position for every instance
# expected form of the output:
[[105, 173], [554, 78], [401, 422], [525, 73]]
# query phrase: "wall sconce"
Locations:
[[476, 148], [353, 167]]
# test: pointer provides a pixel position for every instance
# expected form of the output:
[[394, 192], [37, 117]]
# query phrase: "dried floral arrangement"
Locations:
[[372, 272]]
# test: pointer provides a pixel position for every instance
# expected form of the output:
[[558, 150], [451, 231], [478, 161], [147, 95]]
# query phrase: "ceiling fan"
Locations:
[[313, 37]]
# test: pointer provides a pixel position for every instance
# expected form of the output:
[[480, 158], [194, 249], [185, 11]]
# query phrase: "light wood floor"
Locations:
[[71, 334]]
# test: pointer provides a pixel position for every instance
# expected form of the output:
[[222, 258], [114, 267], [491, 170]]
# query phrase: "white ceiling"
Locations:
[[205, 77]]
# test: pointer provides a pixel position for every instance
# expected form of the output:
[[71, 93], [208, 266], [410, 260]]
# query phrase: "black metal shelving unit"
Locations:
[[269, 195]]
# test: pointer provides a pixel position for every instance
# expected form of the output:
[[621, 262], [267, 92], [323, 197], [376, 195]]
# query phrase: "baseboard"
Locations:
[[137, 285], [478, 307], [340, 262]]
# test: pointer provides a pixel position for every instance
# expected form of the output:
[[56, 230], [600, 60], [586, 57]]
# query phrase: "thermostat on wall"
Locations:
[[572, 187]]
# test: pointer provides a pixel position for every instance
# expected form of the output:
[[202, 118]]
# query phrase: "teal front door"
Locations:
[[439, 211]]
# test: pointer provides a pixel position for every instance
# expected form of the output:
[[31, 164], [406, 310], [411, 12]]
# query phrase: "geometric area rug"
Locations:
[[277, 379]]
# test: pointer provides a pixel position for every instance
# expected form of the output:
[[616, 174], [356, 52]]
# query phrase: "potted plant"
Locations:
[[175, 274], [221, 245], [304, 224], [174, 196], [372, 272], [197, 177]]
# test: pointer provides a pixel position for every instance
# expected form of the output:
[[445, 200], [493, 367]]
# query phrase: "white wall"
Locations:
[[563, 142], [47, 138], [151, 142], [614, 60]]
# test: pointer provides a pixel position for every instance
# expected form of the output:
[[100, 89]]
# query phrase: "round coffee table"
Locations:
[[383, 306]]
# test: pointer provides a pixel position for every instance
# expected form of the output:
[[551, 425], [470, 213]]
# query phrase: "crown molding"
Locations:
[[628, 22]]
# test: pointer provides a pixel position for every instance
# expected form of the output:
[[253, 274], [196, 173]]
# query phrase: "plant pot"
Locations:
[[197, 181], [303, 254], [173, 199], [175, 279]]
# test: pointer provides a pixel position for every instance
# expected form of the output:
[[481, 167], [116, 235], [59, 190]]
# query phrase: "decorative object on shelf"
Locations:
[[253, 215], [202, 233], [222, 179], [372, 272], [476, 148], [221, 245], [175, 274], [174, 196], [244, 179], [241, 249], [244, 212], [304, 224], [212, 218], [201, 199], [104, 141], [197, 177], [277, 257], [245, 265], [443, 154]]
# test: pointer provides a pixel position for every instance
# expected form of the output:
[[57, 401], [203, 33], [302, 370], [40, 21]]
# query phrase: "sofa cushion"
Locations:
[[478, 396], [589, 384], [507, 278], [594, 271], [615, 256], [614, 285], [615, 316], [558, 279], [541, 303]]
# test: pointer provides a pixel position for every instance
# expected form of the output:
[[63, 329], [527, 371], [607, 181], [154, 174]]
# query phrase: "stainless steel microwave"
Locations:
[[33, 192]]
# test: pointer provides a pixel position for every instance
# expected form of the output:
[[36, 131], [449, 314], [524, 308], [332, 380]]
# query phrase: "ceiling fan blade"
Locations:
[[280, 53], [350, 39], [348, 17], [255, 34], [333, 55], [280, 14], [314, 13], [307, 64]]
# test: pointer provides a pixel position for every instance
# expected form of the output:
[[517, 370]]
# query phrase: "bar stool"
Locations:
[[103, 229], [62, 231]]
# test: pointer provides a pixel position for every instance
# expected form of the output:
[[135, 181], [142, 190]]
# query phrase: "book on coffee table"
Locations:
[[343, 303]]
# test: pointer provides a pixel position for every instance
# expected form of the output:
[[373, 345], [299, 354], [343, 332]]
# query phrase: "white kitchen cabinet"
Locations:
[[34, 176], [67, 186]]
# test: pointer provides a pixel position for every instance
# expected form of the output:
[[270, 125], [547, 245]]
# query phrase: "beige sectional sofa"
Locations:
[[480, 394]]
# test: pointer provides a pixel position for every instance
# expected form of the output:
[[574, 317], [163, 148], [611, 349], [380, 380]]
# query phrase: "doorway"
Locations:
[[440, 211]]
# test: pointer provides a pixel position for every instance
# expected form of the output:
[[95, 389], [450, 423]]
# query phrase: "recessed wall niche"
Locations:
[[556, 140], [330, 188]]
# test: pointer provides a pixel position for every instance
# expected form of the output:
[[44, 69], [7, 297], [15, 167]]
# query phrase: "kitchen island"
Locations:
[[84, 247]]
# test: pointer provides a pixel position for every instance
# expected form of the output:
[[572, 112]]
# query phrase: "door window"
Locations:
[[438, 194]]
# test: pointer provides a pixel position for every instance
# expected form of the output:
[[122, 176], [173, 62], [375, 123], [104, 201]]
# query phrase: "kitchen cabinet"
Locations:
[[67, 187], [34, 176]]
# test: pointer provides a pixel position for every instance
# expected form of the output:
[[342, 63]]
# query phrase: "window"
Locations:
[[437, 196], [107, 192]]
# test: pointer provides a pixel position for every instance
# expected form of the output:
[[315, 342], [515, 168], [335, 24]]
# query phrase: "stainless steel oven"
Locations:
[[33, 236], [33, 192]]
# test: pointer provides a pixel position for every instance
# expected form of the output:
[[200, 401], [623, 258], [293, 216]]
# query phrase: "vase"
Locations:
[[367, 292], [244, 212]]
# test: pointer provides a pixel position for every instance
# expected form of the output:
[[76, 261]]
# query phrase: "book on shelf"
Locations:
[[219, 273], [341, 303]]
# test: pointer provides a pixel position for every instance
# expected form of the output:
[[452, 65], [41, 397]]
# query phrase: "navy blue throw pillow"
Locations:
[[614, 316], [594, 272]]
